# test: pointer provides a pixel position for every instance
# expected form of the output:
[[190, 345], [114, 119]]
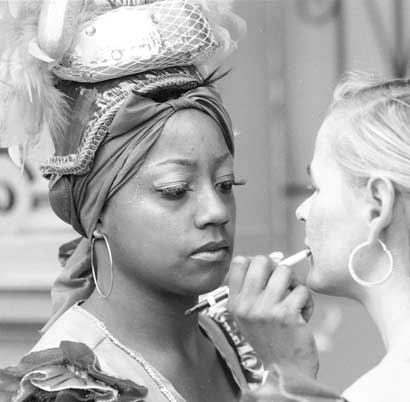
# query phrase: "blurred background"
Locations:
[[278, 91]]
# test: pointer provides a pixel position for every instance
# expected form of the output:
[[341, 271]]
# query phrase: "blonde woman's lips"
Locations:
[[310, 258]]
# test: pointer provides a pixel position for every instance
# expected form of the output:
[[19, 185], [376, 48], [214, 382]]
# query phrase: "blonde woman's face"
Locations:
[[334, 216]]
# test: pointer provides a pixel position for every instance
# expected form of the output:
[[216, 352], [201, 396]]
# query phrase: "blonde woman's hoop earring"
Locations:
[[97, 235], [361, 281]]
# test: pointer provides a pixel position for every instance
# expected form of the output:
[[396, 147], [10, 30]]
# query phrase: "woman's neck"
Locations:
[[146, 319], [389, 307]]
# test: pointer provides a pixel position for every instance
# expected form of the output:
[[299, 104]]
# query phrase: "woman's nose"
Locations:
[[302, 210], [212, 209]]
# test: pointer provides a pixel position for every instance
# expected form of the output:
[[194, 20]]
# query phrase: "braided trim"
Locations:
[[81, 162], [173, 80], [109, 102]]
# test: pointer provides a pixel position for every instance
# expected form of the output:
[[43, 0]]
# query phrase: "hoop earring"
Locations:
[[363, 282], [97, 235]]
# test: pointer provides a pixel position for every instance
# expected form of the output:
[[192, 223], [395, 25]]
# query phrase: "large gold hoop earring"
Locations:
[[361, 281], [97, 235]]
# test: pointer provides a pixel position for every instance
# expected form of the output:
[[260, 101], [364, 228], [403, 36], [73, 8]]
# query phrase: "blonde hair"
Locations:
[[377, 141]]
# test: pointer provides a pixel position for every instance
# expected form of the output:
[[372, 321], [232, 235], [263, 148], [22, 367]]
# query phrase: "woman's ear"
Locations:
[[100, 226], [380, 194]]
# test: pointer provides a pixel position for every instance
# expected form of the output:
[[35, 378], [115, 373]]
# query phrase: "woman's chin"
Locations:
[[318, 282], [313, 284], [208, 283], [326, 284]]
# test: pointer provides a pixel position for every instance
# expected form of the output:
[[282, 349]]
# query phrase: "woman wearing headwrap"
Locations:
[[143, 170]]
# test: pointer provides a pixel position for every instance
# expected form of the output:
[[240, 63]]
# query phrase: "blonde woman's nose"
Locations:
[[302, 210]]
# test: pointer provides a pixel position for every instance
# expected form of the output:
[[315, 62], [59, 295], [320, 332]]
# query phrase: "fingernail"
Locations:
[[239, 259], [276, 256]]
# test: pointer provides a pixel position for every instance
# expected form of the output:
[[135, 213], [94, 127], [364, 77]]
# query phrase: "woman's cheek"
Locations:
[[313, 222]]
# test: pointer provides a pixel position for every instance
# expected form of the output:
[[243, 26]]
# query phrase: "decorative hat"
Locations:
[[47, 42]]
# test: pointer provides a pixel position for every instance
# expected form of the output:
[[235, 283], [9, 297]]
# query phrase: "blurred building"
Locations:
[[280, 85]]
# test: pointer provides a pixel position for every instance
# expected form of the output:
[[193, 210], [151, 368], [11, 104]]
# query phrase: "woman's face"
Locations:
[[335, 217], [172, 226]]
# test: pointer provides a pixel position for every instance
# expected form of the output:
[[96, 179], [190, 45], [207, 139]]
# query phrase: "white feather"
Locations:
[[227, 27], [30, 106], [29, 102]]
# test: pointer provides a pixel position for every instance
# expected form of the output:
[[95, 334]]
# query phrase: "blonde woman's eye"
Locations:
[[174, 192]]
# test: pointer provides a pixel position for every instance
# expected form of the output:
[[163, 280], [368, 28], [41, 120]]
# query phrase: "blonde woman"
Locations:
[[358, 229]]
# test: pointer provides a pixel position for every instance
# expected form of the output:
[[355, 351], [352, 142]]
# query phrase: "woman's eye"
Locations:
[[174, 192], [226, 185]]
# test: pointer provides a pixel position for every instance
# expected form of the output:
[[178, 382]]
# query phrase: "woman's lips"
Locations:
[[211, 256], [310, 258]]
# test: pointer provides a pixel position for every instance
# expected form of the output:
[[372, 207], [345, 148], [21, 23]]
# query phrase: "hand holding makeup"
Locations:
[[271, 308], [221, 294]]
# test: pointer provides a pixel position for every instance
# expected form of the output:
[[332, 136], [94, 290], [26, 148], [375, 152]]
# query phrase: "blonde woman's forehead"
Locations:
[[327, 130], [324, 154]]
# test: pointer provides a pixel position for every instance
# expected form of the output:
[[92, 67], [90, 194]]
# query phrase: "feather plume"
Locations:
[[227, 27], [32, 110], [30, 105]]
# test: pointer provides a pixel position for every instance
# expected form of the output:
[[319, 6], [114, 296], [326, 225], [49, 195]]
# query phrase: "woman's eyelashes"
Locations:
[[178, 190], [225, 185], [174, 191]]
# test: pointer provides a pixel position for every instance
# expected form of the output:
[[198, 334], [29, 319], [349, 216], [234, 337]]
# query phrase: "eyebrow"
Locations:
[[178, 161], [192, 163]]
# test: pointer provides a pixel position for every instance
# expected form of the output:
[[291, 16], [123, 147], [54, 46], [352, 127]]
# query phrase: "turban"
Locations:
[[79, 199]]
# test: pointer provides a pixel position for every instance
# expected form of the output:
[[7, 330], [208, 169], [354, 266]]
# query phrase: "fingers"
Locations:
[[279, 284], [259, 271], [255, 281], [248, 276], [299, 303], [276, 257], [237, 274]]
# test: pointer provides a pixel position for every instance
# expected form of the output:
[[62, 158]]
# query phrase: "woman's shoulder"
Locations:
[[74, 325]]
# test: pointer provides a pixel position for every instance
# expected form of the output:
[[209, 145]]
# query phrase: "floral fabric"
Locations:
[[68, 373]]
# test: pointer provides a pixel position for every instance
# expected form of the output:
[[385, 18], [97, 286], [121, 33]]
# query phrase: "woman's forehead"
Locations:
[[326, 135], [323, 155], [187, 138]]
